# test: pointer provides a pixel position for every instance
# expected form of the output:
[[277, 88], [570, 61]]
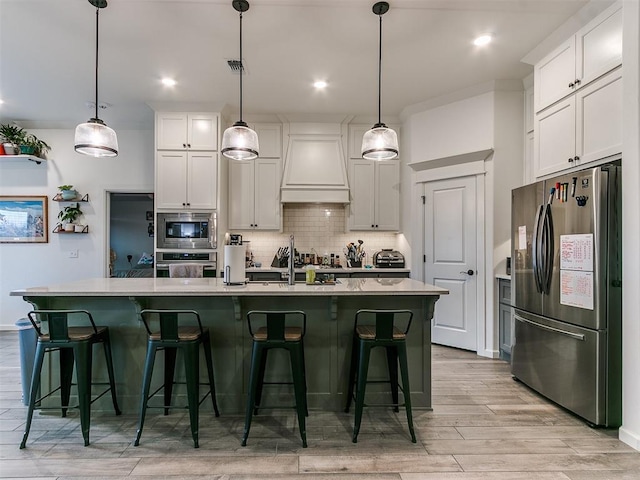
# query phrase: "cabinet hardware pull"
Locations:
[[184, 145], [571, 85], [188, 145], [577, 82], [570, 160], [576, 158]]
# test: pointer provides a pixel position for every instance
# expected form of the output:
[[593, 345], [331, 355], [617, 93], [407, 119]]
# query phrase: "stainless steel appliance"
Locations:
[[207, 259], [567, 291], [388, 258], [187, 230]]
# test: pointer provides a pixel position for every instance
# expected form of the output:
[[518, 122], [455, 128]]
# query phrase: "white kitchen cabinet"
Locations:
[[254, 195], [186, 180], [270, 139], [593, 51], [375, 195], [505, 318], [585, 127], [186, 131], [356, 132]]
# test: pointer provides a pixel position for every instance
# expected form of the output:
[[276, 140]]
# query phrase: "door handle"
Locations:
[[469, 272]]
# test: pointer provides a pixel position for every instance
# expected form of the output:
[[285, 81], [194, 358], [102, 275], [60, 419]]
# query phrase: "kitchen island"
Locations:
[[330, 309]]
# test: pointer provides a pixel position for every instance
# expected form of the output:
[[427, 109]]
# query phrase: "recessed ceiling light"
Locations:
[[320, 84], [168, 82], [483, 40], [1, 101]]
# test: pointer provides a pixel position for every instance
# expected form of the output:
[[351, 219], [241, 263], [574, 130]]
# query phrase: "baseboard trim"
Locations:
[[630, 438]]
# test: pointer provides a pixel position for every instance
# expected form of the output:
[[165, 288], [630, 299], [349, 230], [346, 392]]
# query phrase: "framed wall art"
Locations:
[[23, 219]]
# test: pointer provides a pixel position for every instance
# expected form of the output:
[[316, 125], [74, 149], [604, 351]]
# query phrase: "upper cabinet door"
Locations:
[[171, 131], [555, 74], [362, 183], [356, 132], [269, 139], [241, 195], [599, 45], [387, 205], [202, 132], [267, 198], [202, 183], [171, 180], [555, 138]]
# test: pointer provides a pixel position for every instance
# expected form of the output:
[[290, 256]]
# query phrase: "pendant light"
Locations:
[[239, 142], [94, 138], [381, 142]]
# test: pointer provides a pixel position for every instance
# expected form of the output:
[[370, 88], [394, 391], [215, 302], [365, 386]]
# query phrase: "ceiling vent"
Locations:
[[236, 66]]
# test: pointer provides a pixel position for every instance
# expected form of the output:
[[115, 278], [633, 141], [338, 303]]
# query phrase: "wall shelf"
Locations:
[[58, 198], [60, 229], [32, 158]]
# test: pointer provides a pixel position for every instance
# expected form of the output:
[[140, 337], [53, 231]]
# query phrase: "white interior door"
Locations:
[[451, 251]]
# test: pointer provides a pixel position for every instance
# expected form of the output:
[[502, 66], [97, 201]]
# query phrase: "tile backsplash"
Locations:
[[320, 227]]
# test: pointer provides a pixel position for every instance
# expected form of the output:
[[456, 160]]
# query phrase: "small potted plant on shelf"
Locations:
[[67, 192], [12, 136], [68, 216]]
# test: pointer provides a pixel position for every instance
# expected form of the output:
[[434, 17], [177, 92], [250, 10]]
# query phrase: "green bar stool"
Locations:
[[280, 330], [75, 345], [382, 333], [171, 336]]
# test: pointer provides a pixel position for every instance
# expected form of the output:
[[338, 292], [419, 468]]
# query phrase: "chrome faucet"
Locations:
[[292, 273]]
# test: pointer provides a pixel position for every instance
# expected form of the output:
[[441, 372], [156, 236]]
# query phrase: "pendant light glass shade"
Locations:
[[94, 138], [381, 142], [239, 142]]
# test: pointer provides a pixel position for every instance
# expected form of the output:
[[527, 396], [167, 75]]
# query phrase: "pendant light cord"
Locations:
[[97, 26], [241, 67], [380, 74]]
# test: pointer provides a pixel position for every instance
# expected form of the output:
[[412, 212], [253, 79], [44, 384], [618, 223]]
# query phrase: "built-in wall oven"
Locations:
[[187, 230], [208, 260]]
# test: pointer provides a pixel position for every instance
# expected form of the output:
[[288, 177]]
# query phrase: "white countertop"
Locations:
[[503, 276], [117, 287]]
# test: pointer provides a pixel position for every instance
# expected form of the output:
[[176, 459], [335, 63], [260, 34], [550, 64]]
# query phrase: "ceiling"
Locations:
[[47, 55]]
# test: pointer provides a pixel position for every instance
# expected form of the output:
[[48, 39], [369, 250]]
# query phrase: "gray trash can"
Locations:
[[28, 339]]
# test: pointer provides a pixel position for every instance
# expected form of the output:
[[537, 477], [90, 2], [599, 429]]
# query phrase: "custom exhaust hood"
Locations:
[[314, 169]]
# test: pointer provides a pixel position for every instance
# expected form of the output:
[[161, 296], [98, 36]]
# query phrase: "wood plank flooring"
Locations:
[[484, 426]]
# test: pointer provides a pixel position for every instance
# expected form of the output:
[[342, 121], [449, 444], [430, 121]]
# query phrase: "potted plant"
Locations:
[[68, 216], [67, 192], [12, 137], [32, 145]]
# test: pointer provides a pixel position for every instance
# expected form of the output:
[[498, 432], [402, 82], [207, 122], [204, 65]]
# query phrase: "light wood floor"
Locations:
[[483, 426]]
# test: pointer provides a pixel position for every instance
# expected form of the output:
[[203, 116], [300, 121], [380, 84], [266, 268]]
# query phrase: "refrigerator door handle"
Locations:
[[548, 250], [576, 336], [536, 251]]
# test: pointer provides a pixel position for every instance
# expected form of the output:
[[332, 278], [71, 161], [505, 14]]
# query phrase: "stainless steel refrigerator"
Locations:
[[566, 278]]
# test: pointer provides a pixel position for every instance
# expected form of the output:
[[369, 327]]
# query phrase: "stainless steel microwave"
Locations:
[[187, 230]]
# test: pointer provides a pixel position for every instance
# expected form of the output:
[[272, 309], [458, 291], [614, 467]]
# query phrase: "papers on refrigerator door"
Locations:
[[522, 237], [576, 270], [576, 289], [576, 252]]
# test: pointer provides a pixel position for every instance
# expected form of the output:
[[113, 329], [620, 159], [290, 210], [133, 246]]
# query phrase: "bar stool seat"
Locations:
[[75, 346], [383, 333], [277, 334], [171, 337]]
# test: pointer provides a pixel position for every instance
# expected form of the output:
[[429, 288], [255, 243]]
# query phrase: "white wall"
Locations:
[[630, 430], [459, 127], [27, 265]]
